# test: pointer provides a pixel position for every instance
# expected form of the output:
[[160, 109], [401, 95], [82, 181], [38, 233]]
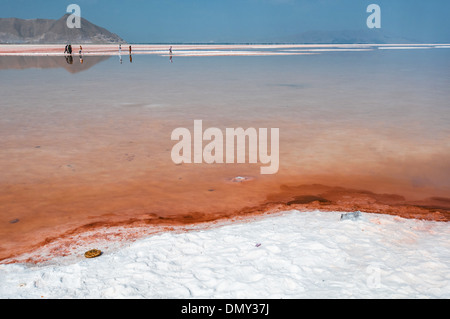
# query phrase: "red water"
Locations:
[[92, 156]]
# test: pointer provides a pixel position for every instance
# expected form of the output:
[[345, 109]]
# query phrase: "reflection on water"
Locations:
[[97, 151], [48, 62]]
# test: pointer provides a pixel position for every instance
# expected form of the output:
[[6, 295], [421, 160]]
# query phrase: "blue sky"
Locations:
[[162, 21]]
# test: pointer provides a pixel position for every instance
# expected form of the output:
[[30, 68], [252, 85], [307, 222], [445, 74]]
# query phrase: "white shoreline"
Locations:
[[286, 255], [205, 49]]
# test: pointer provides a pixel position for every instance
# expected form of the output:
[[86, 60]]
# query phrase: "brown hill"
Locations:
[[47, 31]]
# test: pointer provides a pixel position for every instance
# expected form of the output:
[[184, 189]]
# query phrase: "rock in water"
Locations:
[[351, 216]]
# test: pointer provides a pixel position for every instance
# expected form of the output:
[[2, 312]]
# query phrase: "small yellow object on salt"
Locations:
[[92, 253]]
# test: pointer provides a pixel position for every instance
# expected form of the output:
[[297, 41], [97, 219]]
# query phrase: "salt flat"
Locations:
[[287, 255]]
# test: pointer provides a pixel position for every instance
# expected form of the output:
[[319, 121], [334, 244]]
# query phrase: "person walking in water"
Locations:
[[80, 52], [120, 53], [170, 50], [131, 58]]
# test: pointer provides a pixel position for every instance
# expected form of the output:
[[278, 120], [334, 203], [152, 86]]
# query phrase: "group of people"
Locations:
[[68, 53], [120, 48], [120, 53], [68, 49]]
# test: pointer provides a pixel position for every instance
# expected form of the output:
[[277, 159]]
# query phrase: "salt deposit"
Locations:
[[288, 255]]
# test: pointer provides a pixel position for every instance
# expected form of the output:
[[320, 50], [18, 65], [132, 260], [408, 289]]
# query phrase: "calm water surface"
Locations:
[[84, 143]]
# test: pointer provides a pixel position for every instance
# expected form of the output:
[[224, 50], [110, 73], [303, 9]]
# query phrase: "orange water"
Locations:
[[91, 147]]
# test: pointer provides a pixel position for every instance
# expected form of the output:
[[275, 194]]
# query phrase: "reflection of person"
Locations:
[[69, 59]]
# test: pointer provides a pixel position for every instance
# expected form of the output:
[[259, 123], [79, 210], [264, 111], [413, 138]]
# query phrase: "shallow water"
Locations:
[[86, 145]]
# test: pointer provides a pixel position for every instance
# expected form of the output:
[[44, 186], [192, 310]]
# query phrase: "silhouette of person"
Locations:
[[69, 49], [66, 49], [120, 53], [81, 49], [170, 54]]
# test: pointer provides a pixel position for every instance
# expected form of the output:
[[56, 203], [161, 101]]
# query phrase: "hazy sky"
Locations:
[[159, 21]]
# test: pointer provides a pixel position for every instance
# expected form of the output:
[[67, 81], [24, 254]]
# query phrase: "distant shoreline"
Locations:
[[192, 49]]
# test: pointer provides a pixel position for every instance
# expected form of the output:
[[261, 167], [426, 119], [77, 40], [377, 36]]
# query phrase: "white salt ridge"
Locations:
[[328, 50], [405, 48], [287, 255], [235, 53]]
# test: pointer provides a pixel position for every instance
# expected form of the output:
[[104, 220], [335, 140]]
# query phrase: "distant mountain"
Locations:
[[47, 31], [366, 36]]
